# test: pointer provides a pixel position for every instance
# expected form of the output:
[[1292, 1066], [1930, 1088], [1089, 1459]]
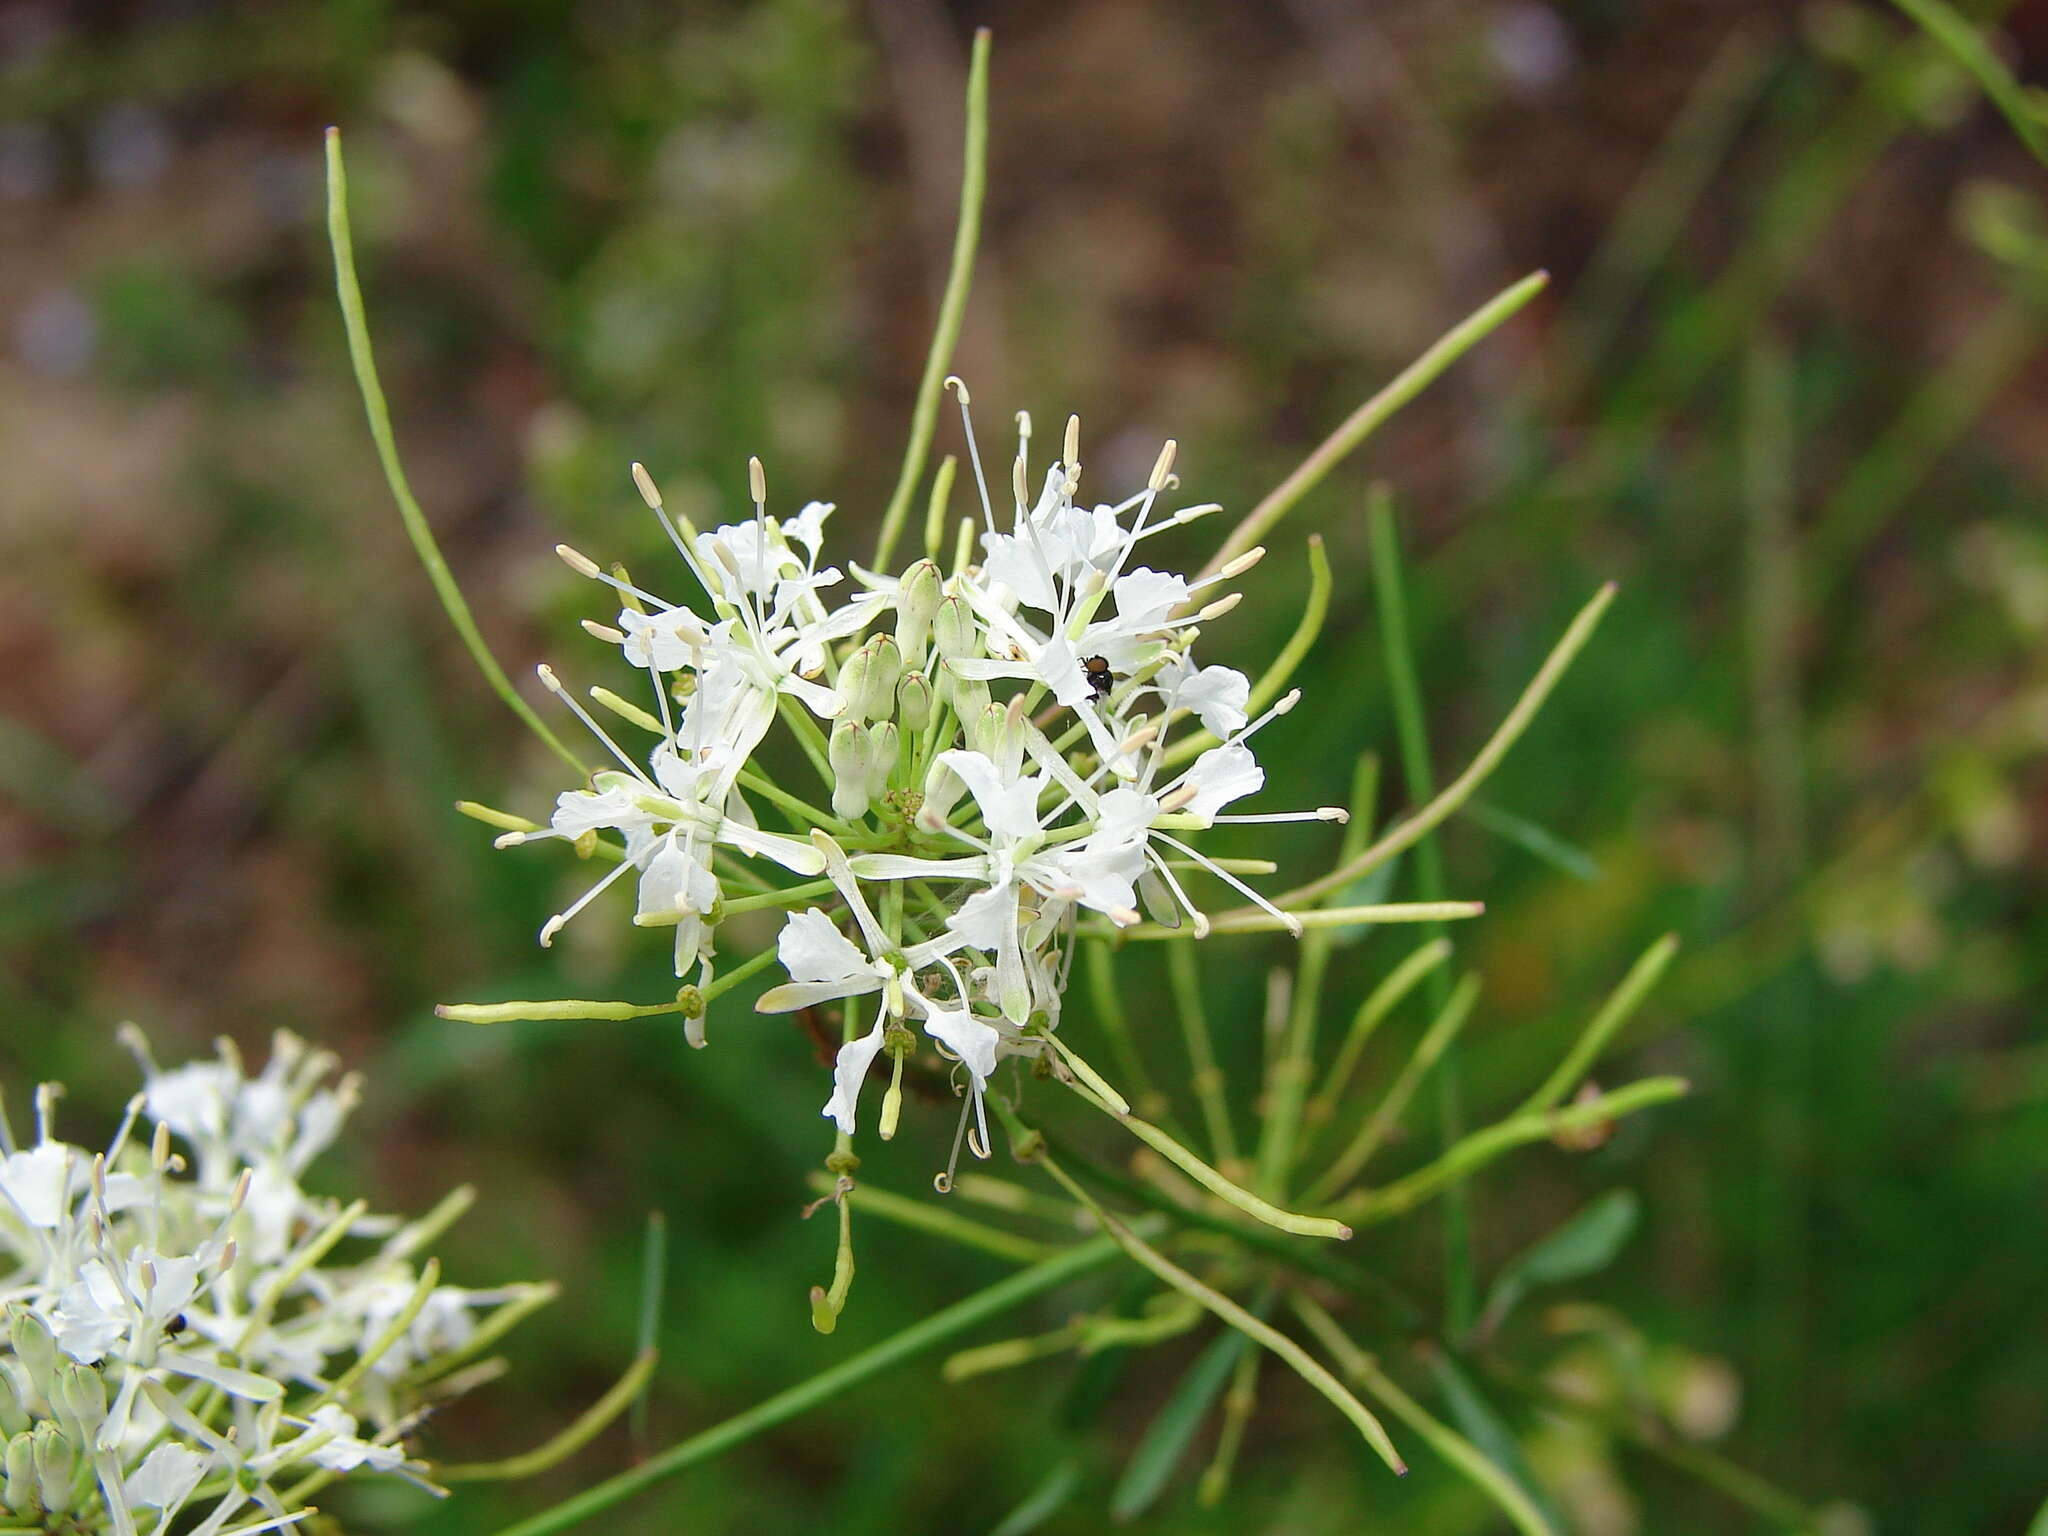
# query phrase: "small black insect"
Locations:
[[176, 1326], [1099, 679]]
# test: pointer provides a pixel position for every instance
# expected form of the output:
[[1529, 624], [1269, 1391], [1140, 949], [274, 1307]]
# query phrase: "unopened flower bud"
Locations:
[[985, 731], [37, 1352], [851, 754], [917, 601], [56, 1463], [953, 630], [18, 1490], [13, 1411], [969, 696], [914, 702], [884, 740], [884, 672], [81, 1401], [853, 685], [942, 791]]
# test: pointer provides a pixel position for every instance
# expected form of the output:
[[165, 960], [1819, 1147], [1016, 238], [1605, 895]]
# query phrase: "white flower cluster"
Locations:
[[998, 745], [184, 1348]]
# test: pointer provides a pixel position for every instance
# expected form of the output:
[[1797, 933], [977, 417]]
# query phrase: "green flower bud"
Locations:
[[969, 696], [883, 742], [851, 754], [914, 702], [18, 1490], [985, 731], [853, 685], [885, 671], [953, 630], [942, 791], [37, 1352], [917, 600], [81, 1401], [56, 1462], [14, 1414]]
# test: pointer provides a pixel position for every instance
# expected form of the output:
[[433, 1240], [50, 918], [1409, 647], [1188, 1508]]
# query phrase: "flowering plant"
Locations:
[[1016, 755], [194, 1338]]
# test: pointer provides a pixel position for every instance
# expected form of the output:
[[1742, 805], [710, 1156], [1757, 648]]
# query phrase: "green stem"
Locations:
[[1361, 423], [939, 1220], [924, 414], [786, 1405], [1418, 826], [1461, 1285], [1615, 1012], [1380, 1002], [379, 413], [787, 897], [1436, 1041], [624, 1392], [1092, 1089], [1258, 920], [1116, 1024], [1960, 38], [1305, 1365], [1482, 1147], [753, 965], [1462, 1454], [1287, 1086], [1205, 1078]]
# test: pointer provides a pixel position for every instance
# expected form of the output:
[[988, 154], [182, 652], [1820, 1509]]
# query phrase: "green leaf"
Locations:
[[1168, 1436], [1583, 1246], [1483, 1427], [1533, 839], [1044, 1501]]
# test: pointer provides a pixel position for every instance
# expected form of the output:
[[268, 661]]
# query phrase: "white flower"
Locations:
[[179, 1299]]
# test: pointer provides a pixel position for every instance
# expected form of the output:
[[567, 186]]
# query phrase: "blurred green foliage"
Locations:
[[1787, 393]]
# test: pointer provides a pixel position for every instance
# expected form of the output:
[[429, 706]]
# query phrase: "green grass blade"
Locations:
[[1172, 1430]]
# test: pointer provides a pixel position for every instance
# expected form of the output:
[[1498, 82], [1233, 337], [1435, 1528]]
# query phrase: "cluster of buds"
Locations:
[[193, 1341], [1011, 750]]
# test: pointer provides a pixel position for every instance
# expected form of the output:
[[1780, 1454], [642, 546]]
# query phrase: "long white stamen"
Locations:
[[959, 387], [553, 685], [555, 924], [1201, 918], [1287, 919]]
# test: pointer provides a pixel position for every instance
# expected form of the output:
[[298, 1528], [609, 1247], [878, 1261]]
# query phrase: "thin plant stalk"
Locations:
[[1305, 1365], [1593, 1039], [1406, 833], [940, 1220], [1379, 1003], [355, 322], [1461, 1285], [1361, 423], [945, 1324], [924, 415], [1484, 1146], [1205, 1078], [1463, 1456], [1287, 1086], [1436, 1041], [1315, 608], [624, 1393]]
